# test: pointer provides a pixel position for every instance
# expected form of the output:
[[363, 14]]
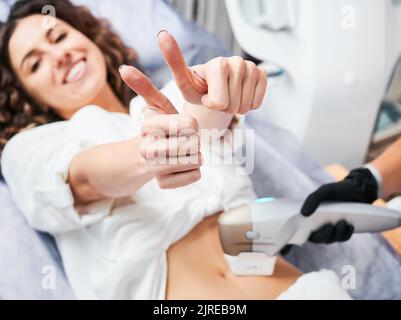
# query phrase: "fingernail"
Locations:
[[121, 67], [163, 30]]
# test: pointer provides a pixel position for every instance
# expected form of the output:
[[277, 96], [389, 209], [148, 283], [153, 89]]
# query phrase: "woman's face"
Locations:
[[60, 67]]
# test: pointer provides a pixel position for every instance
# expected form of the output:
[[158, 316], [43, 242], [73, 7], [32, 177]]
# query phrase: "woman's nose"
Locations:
[[61, 58]]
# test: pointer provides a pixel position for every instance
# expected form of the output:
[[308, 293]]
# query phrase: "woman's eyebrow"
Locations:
[[33, 51]]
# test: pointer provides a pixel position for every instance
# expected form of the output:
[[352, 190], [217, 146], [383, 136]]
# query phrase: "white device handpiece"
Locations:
[[267, 225]]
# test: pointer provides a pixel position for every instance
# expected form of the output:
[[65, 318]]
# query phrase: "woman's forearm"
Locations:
[[389, 166], [108, 171]]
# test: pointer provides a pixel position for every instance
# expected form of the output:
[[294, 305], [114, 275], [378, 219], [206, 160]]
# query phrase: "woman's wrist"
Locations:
[[127, 170], [137, 169], [208, 118]]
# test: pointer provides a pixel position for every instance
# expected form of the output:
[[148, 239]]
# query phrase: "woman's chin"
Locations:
[[88, 92]]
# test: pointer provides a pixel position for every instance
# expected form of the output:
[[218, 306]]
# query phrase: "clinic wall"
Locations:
[[212, 14]]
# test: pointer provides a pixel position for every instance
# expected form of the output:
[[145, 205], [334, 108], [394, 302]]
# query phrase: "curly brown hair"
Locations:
[[18, 110]]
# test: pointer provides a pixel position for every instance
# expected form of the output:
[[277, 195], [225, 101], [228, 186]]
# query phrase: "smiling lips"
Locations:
[[75, 72]]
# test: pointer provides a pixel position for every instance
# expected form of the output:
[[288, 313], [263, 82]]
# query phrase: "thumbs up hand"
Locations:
[[231, 85], [170, 141]]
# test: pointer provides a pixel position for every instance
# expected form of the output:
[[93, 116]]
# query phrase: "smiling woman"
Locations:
[[27, 72], [63, 61], [133, 218]]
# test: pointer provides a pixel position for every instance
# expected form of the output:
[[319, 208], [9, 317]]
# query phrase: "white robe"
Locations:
[[117, 250]]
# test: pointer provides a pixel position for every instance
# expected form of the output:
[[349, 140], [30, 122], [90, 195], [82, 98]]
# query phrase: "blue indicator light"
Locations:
[[263, 200]]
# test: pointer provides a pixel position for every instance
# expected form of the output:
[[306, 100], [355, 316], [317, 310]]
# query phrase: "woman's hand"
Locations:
[[231, 85], [170, 141], [171, 148]]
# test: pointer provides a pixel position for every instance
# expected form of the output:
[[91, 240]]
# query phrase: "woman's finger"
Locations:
[[172, 165], [235, 84], [248, 87], [179, 179], [217, 76], [184, 77], [260, 90], [139, 83], [170, 125], [173, 147]]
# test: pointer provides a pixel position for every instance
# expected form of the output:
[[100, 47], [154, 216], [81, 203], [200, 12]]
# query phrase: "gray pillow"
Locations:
[[30, 266]]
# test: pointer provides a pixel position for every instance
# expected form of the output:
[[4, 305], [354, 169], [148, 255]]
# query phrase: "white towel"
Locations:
[[319, 285]]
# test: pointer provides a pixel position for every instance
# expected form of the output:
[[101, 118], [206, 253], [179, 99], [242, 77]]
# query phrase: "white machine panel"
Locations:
[[337, 57]]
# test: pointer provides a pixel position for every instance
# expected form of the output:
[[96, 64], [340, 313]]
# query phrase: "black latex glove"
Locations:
[[359, 186]]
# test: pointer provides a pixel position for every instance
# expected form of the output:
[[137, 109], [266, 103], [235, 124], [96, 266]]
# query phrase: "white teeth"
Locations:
[[76, 72]]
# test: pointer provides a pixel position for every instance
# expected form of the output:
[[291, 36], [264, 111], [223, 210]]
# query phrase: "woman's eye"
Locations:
[[61, 37], [35, 66]]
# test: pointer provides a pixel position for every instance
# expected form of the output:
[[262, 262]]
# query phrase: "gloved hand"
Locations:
[[359, 186]]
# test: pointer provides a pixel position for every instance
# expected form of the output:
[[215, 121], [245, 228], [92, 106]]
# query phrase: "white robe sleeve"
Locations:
[[35, 165]]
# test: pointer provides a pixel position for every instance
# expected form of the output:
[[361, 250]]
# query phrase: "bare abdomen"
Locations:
[[197, 269]]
